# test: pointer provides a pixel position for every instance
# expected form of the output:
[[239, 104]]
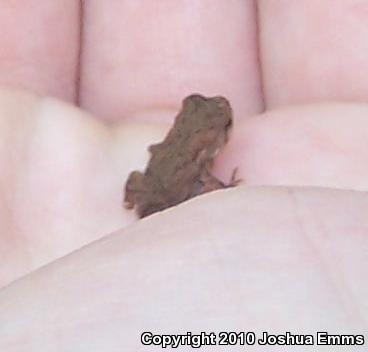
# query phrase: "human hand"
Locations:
[[297, 146]]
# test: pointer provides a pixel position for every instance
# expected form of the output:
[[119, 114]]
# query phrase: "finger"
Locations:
[[315, 145], [62, 179], [60, 182], [39, 41], [312, 51], [257, 249], [141, 58]]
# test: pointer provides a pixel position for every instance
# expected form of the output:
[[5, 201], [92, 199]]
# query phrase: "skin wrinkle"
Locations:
[[13, 234], [17, 233], [334, 275], [259, 56], [337, 277], [26, 68], [79, 54], [219, 262]]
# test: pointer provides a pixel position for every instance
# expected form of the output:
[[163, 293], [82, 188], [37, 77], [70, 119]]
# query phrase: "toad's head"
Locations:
[[208, 121]]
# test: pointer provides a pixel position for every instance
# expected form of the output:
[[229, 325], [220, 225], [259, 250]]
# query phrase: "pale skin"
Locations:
[[258, 258]]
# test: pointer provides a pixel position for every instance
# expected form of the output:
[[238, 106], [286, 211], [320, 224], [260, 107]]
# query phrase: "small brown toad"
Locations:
[[180, 166]]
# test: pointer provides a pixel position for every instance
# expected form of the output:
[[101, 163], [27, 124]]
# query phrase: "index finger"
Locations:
[[145, 56]]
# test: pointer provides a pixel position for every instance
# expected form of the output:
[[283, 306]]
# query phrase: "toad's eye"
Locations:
[[229, 123]]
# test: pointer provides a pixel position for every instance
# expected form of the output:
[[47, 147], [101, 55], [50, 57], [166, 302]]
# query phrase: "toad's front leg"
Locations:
[[207, 183], [133, 187]]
